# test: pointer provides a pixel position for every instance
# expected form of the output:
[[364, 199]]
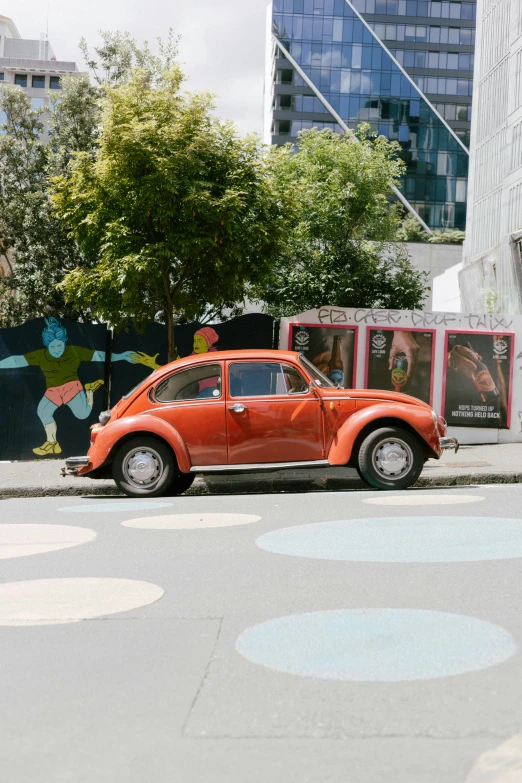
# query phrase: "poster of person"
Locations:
[[401, 360], [478, 379], [331, 349]]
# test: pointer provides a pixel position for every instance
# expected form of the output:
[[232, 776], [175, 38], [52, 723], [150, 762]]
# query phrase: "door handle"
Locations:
[[237, 408]]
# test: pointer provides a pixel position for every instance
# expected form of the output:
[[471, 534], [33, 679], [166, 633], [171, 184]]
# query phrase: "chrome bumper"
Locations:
[[449, 443], [72, 464]]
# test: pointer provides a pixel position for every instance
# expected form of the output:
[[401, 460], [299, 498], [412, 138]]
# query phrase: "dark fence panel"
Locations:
[[248, 331], [49, 393]]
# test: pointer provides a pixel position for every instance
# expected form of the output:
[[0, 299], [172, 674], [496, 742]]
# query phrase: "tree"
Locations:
[[178, 210], [341, 250], [42, 250]]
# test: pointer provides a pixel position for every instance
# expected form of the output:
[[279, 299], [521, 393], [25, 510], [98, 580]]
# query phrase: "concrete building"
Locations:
[[491, 277], [30, 64], [404, 66]]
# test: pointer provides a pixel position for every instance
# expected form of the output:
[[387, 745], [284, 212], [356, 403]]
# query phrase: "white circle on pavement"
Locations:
[[414, 499], [119, 505], [59, 601], [22, 540], [376, 645], [191, 521], [400, 539]]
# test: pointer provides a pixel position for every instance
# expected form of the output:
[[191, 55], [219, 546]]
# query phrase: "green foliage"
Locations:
[[452, 236], [411, 230], [42, 250], [341, 250], [179, 211]]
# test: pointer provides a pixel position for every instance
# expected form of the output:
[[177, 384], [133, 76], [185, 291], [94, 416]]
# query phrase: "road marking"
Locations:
[[59, 601], [400, 540], [22, 540], [191, 521], [117, 506], [502, 764], [376, 645], [422, 500]]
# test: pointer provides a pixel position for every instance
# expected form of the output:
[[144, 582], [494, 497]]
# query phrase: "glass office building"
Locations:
[[404, 66]]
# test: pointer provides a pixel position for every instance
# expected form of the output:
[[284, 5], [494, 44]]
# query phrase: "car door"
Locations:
[[192, 401], [272, 414]]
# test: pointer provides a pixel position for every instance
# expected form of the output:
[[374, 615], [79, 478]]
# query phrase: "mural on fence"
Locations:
[[401, 360], [50, 373], [478, 379], [246, 331]]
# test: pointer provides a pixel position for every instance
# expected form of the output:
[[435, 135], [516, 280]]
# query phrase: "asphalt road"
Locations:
[[200, 640]]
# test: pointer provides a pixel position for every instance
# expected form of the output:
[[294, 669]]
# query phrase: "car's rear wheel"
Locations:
[[144, 467], [390, 458]]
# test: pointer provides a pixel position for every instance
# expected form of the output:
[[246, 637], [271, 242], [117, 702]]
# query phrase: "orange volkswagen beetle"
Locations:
[[256, 410]]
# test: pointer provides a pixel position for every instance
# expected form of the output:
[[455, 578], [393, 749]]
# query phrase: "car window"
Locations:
[[197, 383], [295, 383], [256, 379]]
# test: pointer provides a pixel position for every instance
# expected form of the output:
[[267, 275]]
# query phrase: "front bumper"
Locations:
[[449, 443]]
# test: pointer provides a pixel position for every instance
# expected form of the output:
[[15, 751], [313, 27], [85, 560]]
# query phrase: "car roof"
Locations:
[[270, 354]]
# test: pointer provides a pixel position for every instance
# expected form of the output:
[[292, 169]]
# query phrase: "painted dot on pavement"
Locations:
[[415, 499], [22, 540], [401, 539], [376, 645], [117, 506], [191, 521], [59, 601]]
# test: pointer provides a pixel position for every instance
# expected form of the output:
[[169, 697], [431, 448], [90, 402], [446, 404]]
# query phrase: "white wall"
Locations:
[[446, 291], [435, 260]]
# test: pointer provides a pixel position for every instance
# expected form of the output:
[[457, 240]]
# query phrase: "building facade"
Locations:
[[491, 277], [30, 64], [404, 66]]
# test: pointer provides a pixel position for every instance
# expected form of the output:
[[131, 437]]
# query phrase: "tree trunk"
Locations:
[[172, 353]]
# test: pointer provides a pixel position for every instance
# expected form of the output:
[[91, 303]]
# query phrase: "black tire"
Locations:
[[144, 467], [376, 466], [180, 484]]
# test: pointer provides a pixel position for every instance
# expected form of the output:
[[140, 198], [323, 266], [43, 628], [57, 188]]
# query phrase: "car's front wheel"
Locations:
[[144, 467], [390, 458]]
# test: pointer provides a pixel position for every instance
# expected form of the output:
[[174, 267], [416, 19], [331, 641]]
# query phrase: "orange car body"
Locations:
[[321, 426]]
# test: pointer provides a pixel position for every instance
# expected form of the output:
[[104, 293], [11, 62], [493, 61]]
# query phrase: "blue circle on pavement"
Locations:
[[376, 645], [119, 505], [400, 539]]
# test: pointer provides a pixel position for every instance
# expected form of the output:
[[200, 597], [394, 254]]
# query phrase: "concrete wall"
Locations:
[[435, 260]]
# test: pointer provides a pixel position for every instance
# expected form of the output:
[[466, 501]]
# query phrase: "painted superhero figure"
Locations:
[[59, 363]]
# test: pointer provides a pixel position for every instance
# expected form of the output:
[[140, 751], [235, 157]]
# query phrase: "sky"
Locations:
[[222, 46]]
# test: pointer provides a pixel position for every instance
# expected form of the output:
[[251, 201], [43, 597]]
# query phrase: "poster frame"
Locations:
[[350, 327], [433, 333], [445, 370]]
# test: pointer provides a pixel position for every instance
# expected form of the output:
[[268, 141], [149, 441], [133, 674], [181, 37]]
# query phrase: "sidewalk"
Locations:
[[491, 464]]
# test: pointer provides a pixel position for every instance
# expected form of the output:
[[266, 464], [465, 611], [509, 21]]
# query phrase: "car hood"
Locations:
[[375, 395]]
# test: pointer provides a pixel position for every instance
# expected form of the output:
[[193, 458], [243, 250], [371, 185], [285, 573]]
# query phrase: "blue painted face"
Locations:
[[56, 348]]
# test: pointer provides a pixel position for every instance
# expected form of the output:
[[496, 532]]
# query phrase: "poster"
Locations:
[[477, 389], [247, 331], [53, 386], [331, 349], [401, 360]]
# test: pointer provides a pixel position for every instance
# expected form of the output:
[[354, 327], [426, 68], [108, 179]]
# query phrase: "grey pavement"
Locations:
[[160, 693], [488, 464]]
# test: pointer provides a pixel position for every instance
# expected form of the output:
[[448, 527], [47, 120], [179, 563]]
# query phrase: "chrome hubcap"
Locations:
[[143, 468], [393, 458]]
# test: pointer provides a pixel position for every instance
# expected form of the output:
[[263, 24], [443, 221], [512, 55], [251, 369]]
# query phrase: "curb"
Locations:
[[260, 485]]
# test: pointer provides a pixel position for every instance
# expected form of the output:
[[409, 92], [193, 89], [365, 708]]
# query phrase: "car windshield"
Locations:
[[315, 374]]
